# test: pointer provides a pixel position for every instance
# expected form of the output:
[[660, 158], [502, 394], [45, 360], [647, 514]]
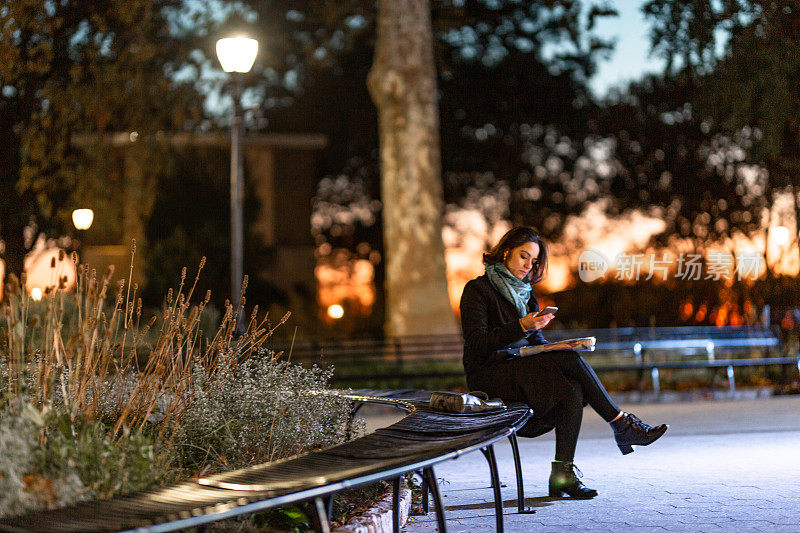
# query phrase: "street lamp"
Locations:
[[236, 55], [82, 218]]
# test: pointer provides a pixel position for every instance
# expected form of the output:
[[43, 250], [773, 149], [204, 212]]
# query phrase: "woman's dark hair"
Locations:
[[517, 237]]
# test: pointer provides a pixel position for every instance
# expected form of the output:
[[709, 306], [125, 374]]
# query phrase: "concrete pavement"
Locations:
[[722, 466]]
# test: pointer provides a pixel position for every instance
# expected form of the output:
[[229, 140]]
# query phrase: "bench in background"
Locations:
[[435, 361]]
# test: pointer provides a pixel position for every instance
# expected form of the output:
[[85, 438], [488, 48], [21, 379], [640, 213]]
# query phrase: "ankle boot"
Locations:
[[629, 431], [564, 480]]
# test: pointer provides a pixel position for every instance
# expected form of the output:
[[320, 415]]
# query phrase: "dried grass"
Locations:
[[99, 400], [79, 351]]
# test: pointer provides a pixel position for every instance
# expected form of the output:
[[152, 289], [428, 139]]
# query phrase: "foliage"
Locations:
[[311, 40], [18, 441], [105, 465], [180, 226], [70, 68], [73, 366], [664, 153], [259, 411], [752, 86], [84, 415]]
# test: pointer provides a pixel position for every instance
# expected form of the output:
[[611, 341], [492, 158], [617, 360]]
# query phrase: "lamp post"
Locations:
[[82, 218], [236, 55]]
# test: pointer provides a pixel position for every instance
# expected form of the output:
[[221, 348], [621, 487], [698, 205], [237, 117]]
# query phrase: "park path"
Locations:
[[722, 466]]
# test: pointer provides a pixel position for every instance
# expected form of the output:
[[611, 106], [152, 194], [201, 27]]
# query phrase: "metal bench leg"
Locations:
[[430, 479], [320, 517], [328, 501], [396, 505], [656, 381], [521, 509], [498, 496], [731, 382], [425, 504], [637, 351]]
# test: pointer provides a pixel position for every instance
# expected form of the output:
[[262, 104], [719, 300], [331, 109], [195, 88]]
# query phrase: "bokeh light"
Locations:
[[336, 311]]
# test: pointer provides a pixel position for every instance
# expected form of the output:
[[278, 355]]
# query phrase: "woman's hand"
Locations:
[[531, 321]]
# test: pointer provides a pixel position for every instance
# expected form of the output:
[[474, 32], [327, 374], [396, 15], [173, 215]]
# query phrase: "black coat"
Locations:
[[489, 323]]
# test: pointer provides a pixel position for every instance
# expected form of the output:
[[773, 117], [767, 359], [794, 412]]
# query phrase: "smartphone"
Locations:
[[549, 310]]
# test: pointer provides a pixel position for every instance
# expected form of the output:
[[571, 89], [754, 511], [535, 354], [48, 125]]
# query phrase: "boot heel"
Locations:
[[556, 493], [625, 448]]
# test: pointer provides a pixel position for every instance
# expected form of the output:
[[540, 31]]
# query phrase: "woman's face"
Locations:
[[520, 260]]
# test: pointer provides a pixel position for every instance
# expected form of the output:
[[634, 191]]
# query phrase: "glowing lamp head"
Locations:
[[336, 311], [82, 218], [237, 54], [36, 294]]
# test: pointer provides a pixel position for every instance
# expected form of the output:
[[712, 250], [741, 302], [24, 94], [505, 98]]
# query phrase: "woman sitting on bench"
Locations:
[[498, 312]]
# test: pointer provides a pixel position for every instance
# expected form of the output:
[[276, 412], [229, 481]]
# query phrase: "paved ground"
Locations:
[[722, 466]]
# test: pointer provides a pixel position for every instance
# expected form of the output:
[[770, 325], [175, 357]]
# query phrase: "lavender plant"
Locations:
[[259, 411], [81, 417]]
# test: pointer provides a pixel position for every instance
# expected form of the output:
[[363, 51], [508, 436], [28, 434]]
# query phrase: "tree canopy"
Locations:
[[68, 68], [742, 60]]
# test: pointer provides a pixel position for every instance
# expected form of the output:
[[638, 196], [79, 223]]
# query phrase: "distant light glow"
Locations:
[[36, 294], [48, 267], [356, 22], [83, 218], [344, 279], [237, 54], [336, 311], [558, 276], [780, 235]]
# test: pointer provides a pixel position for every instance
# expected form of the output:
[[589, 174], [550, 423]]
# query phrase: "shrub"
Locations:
[[95, 402], [262, 410]]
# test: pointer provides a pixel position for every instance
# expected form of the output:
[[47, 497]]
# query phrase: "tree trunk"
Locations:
[[402, 83], [12, 205]]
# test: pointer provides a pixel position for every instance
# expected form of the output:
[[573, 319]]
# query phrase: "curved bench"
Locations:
[[417, 442]]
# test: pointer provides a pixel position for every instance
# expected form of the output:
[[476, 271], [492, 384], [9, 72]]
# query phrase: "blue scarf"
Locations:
[[515, 290]]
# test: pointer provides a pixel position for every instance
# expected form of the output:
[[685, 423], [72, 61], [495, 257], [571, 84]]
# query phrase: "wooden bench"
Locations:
[[415, 443], [532, 428]]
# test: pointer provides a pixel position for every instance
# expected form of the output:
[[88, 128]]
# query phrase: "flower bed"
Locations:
[[98, 400]]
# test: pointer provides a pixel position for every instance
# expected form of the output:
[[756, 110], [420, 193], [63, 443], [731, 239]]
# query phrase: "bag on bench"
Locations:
[[454, 402]]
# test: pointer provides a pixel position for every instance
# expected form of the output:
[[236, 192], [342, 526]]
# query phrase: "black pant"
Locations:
[[568, 412]]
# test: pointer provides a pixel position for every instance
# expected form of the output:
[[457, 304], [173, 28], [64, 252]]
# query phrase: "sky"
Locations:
[[630, 58]]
